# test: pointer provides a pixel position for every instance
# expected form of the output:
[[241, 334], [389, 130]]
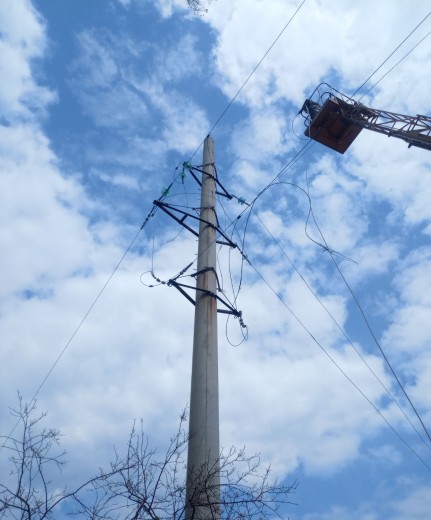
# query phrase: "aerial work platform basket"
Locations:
[[335, 120], [330, 127]]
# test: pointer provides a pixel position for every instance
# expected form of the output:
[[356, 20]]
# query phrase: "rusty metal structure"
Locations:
[[335, 120]]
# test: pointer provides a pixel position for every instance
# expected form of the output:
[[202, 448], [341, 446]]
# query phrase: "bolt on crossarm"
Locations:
[[203, 478]]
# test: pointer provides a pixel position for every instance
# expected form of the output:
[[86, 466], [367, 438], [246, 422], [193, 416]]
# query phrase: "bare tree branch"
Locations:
[[142, 484], [148, 485]]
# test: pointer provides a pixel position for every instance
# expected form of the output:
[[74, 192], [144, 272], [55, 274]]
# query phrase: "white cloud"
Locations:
[[180, 62], [99, 82], [116, 96], [387, 454], [305, 403], [410, 328], [415, 506], [167, 7], [185, 123], [262, 136], [22, 41], [119, 179], [35, 198], [309, 51], [96, 66], [395, 174]]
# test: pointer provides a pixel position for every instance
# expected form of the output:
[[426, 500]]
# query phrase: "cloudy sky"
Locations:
[[101, 103]]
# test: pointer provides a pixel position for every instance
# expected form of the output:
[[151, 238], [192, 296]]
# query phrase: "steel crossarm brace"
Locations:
[[168, 209], [206, 270], [180, 286], [223, 193]]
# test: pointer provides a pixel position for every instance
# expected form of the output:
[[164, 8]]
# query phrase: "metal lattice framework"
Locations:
[[336, 120]]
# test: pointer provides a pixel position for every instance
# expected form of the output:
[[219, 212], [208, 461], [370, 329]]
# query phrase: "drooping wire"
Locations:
[[340, 328], [391, 54], [232, 100], [244, 333], [368, 325], [325, 246], [332, 252], [234, 231], [324, 350], [250, 206]]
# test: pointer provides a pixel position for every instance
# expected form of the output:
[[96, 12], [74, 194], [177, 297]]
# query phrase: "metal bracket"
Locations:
[[229, 309], [169, 210], [223, 193], [206, 270]]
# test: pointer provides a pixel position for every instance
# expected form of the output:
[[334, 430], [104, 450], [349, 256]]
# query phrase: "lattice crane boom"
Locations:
[[338, 120]]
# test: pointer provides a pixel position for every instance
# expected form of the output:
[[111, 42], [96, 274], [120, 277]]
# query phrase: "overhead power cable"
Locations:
[[324, 350], [367, 323], [340, 328], [415, 411], [385, 357], [151, 213], [396, 65], [81, 323], [391, 54], [250, 76], [250, 207]]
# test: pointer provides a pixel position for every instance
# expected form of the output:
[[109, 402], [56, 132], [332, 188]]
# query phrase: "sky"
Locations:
[[101, 104]]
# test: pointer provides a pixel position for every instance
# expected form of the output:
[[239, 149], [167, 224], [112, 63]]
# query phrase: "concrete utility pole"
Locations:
[[203, 479]]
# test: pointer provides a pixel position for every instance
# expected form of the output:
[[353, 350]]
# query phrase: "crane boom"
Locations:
[[339, 120]]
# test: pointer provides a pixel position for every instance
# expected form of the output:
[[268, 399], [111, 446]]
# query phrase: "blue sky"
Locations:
[[101, 101]]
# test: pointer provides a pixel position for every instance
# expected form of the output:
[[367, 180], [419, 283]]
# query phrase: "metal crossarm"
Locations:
[[171, 210], [180, 286], [223, 193]]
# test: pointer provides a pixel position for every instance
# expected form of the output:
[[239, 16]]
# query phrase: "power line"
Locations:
[[81, 323], [250, 207], [316, 341], [332, 252], [396, 65], [367, 323], [340, 328], [376, 341], [391, 54], [250, 76], [289, 164], [91, 307]]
